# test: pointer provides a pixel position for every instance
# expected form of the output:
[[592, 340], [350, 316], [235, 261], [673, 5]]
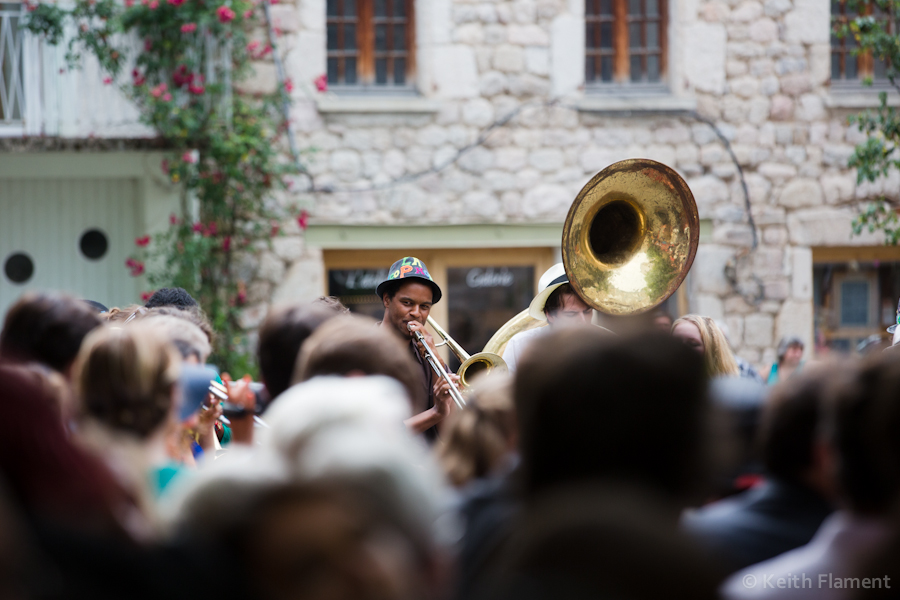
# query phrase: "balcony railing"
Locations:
[[41, 96]]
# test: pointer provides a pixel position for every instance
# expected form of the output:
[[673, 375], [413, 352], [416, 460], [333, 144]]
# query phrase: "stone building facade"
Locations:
[[755, 72]]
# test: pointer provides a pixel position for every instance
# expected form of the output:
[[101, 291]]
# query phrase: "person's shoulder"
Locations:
[[528, 334]]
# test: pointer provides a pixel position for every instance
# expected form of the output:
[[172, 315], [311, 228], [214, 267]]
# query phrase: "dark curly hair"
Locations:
[[177, 297]]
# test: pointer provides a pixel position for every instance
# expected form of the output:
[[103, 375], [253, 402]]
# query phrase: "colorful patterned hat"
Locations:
[[409, 267]]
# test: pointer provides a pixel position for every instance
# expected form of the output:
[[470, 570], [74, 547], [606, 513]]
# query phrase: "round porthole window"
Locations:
[[18, 267], [93, 244]]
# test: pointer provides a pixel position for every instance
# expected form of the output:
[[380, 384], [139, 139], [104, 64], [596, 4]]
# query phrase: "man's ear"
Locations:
[[385, 300]]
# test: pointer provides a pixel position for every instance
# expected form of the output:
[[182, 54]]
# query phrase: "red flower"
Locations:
[[275, 229], [181, 76], [145, 296], [226, 243], [188, 27], [107, 80], [175, 2], [225, 14], [191, 157], [241, 297], [195, 89], [173, 220], [139, 79], [164, 165], [248, 14], [148, 43], [142, 241], [211, 229], [252, 46], [303, 220], [136, 267], [197, 228], [159, 90], [265, 51], [31, 6], [154, 4], [321, 82], [167, 98], [288, 85]]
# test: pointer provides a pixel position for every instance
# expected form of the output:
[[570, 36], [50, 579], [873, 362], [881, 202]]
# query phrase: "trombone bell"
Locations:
[[472, 366]]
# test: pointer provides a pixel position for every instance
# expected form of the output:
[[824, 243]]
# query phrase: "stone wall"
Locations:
[[758, 70]]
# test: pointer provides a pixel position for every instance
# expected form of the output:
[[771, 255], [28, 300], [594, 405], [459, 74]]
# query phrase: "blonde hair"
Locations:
[[477, 438], [125, 378], [717, 356]]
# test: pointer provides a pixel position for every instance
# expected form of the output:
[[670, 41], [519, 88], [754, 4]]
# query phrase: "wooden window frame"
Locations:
[[840, 49], [365, 53], [621, 49]]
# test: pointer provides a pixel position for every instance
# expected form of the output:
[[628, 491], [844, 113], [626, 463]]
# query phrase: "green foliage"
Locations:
[[878, 155], [224, 146]]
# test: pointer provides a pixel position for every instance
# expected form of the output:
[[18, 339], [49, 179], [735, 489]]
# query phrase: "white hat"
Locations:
[[554, 277]]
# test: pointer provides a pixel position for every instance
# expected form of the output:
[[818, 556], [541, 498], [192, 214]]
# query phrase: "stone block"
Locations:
[[746, 12], [838, 188], [537, 61], [345, 164], [477, 160], [704, 57], [796, 84], [708, 191], [777, 172], [775, 235], [499, 181], [811, 108], [708, 305], [470, 34], [394, 164], [775, 8], [478, 113], [528, 85], [271, 268], [801, 273], [764, 31], [285, 17], [782, 108], [708, 270], [801, 192], [510, 158], [527, 35], [431, 136], [492, 83], [796, 318], [808, 23], [736, 68], [746, 87], [546, 200], [777, 289], [303, 281], [827, 226], [546, 159], [509, 59], [737, 305], [733, 328], [566, 54], [758, 330], [482, 204], [455, 74]]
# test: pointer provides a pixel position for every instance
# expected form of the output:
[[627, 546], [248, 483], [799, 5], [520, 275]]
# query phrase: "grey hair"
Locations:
[[786, 342]]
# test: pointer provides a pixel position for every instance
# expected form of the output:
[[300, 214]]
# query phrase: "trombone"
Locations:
[[438, 368], [472, 365]]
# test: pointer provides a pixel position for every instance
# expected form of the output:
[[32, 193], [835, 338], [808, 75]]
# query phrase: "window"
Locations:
[[370, 43], [12, 90], [625, 41], [846, 66]]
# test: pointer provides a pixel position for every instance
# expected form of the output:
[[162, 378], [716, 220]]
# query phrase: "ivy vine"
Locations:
[[179, 62]]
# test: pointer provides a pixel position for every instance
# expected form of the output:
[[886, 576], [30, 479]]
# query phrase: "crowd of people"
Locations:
[[642, 464]]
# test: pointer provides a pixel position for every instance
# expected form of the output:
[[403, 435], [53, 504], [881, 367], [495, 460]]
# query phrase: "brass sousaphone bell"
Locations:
[[628, 242]]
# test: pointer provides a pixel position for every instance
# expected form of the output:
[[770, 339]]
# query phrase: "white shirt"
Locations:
[[809, 572], [517, 344]]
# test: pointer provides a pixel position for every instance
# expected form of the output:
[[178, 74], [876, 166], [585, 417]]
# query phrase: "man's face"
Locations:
[[412, 302], [572, 312]]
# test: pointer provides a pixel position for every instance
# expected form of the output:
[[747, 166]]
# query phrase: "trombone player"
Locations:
[[557, 304], [408, 294]]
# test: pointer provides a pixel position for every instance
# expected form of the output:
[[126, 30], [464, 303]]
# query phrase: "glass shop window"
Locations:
[[355, 288], [482, 299], [854, 302]]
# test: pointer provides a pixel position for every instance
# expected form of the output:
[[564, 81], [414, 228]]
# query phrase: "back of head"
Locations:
[[476, 440], [790, 421], [125, 378], [351, 344], [862, 425], [281, 337], [188, 339], [193, 315], [333, 303], [593, 407], [47, 328], [177, 297]]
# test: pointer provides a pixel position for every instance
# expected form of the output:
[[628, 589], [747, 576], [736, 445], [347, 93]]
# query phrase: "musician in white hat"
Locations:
[[558, 304]]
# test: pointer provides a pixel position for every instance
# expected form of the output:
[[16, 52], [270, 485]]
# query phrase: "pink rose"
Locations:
[[107, 80], [303, 220], [142, 241], [224, 14], [321, 82], [189, 28], [226, 243], [146, 296], [197, 228], [173, 220], [288, 85], [129, 3], [196, 89], [248, 14], [154, 4], [167, 98], [191, 157], [175, 2], [252, 46], [159, 90]]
